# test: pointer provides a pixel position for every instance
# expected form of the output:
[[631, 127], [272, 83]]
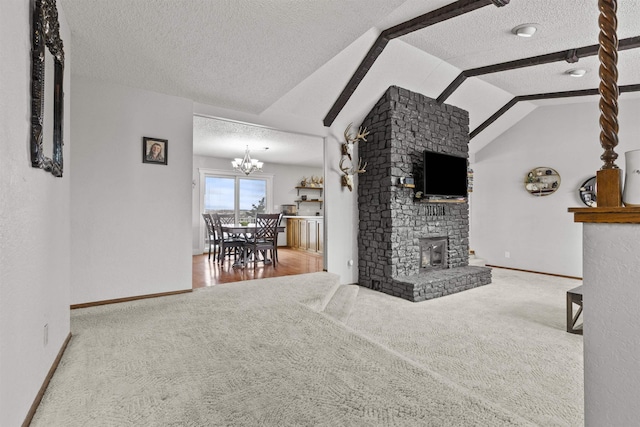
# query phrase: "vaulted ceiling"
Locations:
[[296, 57]]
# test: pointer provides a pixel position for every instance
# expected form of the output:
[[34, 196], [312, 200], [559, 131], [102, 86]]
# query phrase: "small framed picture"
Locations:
[[154, 150]]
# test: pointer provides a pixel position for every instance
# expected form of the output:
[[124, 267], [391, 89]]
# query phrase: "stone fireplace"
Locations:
[[433, 253], [395, 228]]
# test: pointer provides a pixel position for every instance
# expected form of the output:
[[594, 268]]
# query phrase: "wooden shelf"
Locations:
[[622, 215], [442, 200], [309, 201], [309, 188]]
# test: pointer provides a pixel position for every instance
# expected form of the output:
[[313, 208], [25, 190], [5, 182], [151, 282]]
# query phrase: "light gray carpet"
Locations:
[[506, 341], [341, 304], [276, 352]]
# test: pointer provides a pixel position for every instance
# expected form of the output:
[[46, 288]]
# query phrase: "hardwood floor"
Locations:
[[291, 261]]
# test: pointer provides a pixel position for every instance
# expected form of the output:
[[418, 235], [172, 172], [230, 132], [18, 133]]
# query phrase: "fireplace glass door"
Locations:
[[433, 253]]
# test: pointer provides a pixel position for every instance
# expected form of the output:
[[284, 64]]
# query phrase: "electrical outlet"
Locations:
[[46, 334], [507, 254]]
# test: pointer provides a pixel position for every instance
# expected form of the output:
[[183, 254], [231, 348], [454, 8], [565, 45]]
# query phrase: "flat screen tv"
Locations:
[[444, 175]]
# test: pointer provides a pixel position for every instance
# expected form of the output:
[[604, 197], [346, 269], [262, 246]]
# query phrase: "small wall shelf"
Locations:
[[309, 188], [445, 201], [433, 200], [309, 201]]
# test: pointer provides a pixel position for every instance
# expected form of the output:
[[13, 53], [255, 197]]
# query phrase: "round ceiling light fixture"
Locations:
[[576, 72], [525, 30]]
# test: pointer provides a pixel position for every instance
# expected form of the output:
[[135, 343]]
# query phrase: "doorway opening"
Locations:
[[288, 160]]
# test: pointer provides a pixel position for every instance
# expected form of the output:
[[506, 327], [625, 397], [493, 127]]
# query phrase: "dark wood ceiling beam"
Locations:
[[550, 95], [423, 21], [581, 52], [445, 13], [571, 55], [354, 81], [557, 95], [452, 87], [493, 118], [629, 88]]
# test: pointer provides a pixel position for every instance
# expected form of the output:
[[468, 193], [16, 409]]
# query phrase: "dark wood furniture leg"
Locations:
[[574, 296]]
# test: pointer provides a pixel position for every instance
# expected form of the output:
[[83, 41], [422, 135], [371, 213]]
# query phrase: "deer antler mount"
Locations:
[[347, 148], [349, 172], [351, 139]]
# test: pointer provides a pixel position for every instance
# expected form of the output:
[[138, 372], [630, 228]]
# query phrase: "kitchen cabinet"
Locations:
[[306, 234]]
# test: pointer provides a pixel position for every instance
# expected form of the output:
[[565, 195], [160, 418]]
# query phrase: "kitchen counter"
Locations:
[[302, 216]]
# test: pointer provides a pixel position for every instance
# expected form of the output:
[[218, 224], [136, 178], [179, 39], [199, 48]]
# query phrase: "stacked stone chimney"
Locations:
[[403, 125]]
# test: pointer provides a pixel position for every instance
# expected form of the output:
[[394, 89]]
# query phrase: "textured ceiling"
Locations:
[[295, 56], [243, 54], [228, 140], [484, 37]]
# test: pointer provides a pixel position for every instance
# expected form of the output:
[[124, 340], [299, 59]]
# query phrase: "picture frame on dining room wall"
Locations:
[[154, 150]]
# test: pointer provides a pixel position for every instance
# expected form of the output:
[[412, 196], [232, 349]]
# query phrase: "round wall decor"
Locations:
[[588, 192], [542, 181]]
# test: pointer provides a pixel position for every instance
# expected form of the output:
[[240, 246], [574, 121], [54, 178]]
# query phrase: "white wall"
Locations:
[[285, 178], [340, 212], [538, 232], [34, 226], [611, 338], [131, 221]]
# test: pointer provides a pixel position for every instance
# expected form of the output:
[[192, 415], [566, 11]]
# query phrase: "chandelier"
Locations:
[[247, 165]]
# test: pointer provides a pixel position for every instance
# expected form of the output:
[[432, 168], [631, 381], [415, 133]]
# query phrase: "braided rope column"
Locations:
[[608, 55], [609, 192]]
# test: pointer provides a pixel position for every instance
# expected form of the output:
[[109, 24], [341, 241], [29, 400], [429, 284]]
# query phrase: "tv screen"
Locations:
[[444, 175]]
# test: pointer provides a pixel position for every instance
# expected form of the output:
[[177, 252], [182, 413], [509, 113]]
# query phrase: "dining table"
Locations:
[[244, 231]]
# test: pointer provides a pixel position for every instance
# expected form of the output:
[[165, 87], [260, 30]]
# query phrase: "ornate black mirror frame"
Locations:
[[46, 34]]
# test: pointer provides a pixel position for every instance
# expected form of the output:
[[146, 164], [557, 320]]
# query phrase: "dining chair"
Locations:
[[265, 238], [275, 240], [211, 234], [227, 219], [227, 245]]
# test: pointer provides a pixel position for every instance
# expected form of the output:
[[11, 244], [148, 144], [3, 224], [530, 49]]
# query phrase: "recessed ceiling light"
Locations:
[[576, 72], [525, 30]]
